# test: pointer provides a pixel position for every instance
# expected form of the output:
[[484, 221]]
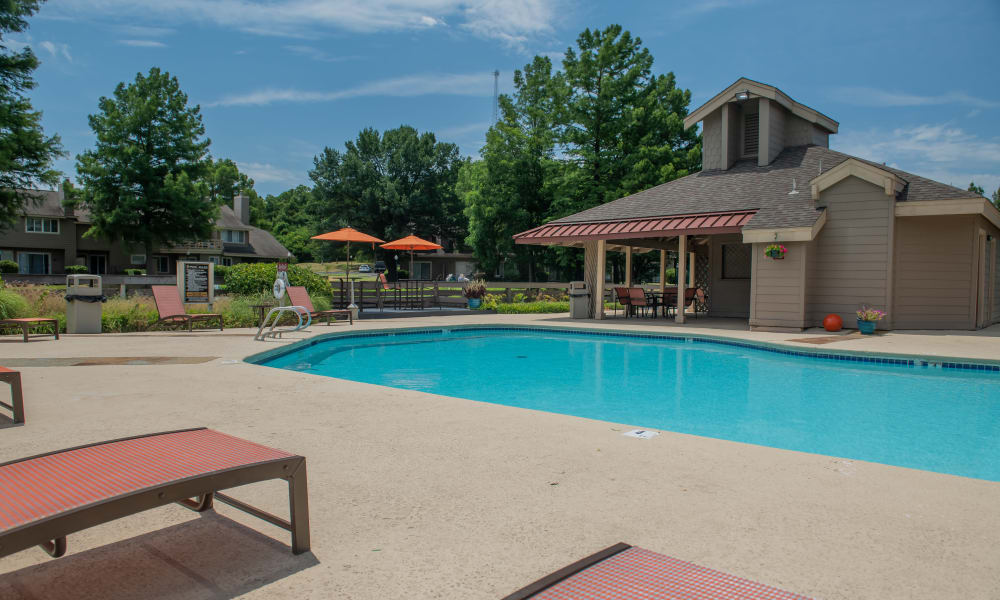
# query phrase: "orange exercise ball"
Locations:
[[832, 322]]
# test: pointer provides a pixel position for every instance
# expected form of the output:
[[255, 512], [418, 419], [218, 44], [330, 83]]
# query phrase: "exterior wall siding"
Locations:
[[728, 297], [776, 131], [935, 276], [711, 154], [799, 132], [777, 288], [850, 263], [57, 245]]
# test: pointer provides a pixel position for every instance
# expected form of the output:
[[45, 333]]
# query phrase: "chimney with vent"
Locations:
[[241, 206]]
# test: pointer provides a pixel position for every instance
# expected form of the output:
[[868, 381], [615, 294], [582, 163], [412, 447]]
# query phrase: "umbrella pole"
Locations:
[[352, 306], [411, 264]]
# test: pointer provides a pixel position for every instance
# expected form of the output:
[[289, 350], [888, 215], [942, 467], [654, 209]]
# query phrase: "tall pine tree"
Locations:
[[144, 182], [26, 154]]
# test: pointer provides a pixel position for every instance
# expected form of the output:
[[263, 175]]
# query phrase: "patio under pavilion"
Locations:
[[704, 238]]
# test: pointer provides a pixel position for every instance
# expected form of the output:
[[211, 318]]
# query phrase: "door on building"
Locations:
[[987, 272], [421, 270], [34, 263], [97, 264]]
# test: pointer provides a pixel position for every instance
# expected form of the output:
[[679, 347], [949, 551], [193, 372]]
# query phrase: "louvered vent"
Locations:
[[751, 132]]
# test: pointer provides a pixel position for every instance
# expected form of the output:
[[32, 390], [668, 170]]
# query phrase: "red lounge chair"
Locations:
[[624, 571], [29, 322], [47, 497], [171, 309], [16, 405], [300, 297]]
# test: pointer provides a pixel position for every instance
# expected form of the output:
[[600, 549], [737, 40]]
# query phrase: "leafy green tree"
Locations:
[[225, 181], [144, 182], [289, 218], [996, 198], [26, 153], [508, 192], [390, 185], [621, 126], [976, 188]]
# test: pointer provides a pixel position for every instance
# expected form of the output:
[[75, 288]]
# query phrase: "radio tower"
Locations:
[[496, 95]]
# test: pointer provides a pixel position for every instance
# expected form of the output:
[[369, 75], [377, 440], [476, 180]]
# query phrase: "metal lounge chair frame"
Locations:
[[168, 299], [28, 322], [196, 492], [623, 298], [16, 406]]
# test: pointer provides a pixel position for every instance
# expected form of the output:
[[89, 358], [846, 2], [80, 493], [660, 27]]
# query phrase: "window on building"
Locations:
[[234, 236], [162, 264], [751, 133], [736, 259], [138, 259], [213, 259], [227, 261], [6, 255], [35, 225], [34, 263]]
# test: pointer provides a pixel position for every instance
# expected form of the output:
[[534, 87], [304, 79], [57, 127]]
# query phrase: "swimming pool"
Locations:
[[908, 414]]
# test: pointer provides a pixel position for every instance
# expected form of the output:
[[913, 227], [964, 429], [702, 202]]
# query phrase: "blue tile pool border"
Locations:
[[915, 361]]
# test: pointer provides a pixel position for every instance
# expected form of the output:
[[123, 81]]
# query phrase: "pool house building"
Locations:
[[848, 231]]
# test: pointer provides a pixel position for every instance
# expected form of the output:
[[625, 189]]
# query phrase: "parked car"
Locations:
[[380, 266], [364, 269]]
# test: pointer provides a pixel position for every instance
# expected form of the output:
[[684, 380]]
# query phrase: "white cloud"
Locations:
[[268, 173], [941, 152], [512, 21], [143, 43], [707, 6], [56, 49], [865, 96], [317, 54], [143, 31], [473, 84]]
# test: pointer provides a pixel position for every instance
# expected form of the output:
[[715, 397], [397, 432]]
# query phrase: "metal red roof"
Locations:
[[655, 227]]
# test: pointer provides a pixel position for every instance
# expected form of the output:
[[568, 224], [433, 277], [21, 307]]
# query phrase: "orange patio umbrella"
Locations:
[[411, 243], [348, 234]]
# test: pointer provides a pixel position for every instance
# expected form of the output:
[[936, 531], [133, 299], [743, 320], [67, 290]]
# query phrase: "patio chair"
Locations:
[[16, 406], [637, 298], [624, 571], [622, 294], [78, 488], [171, 309], [300, 297], [28, 322]]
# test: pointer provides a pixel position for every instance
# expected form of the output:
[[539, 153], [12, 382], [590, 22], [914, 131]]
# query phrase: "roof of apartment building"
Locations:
[[261, 243], [747, 186]]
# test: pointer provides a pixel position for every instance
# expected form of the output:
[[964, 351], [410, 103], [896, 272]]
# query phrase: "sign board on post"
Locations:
[[196, 281]]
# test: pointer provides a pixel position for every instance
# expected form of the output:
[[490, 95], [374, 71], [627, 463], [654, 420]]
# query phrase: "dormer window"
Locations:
[[234, 236], [751, 133]]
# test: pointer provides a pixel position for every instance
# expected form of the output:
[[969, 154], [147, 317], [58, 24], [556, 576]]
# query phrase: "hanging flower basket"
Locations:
[[775, 251]]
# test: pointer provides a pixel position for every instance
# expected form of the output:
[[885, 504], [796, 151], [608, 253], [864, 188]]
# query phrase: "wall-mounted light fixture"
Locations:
[[742, 96]]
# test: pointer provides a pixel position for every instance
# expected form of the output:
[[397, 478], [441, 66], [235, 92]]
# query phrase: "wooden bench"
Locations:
[[29, 322], [16, 405]]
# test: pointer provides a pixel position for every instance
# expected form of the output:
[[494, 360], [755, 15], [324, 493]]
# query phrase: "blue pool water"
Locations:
[[936, 419]]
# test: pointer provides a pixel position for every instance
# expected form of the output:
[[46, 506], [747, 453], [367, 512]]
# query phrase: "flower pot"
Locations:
[[475, 302], [866, 327]]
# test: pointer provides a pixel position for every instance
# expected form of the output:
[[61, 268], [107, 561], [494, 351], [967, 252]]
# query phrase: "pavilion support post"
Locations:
[[681, 276], [628, 266], [598, 289]]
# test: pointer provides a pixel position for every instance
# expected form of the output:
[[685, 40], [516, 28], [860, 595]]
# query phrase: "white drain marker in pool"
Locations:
[[643, 434]]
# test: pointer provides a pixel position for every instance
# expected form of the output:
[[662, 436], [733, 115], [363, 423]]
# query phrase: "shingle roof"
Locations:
[[228, 219], [746, 186], [45, 204]]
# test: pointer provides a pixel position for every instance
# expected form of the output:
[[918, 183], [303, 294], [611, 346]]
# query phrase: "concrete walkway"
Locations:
[[414, 495]]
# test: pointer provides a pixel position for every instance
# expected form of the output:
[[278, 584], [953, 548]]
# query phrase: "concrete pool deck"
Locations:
[[415, 495]]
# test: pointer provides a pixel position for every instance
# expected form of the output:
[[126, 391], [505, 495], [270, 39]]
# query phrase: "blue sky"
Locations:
[[913, 84]]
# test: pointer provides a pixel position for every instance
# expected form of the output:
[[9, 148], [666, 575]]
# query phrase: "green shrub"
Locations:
[[525, 308], [220, 274], [247, 279], [135, 272], [13, 305], [8, 266], [76, 269], [128, 314]]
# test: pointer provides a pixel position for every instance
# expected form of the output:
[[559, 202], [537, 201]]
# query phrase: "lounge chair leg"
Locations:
[[24, 331], [17, 398], [55, 548], [201, 504], [298, 505]]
